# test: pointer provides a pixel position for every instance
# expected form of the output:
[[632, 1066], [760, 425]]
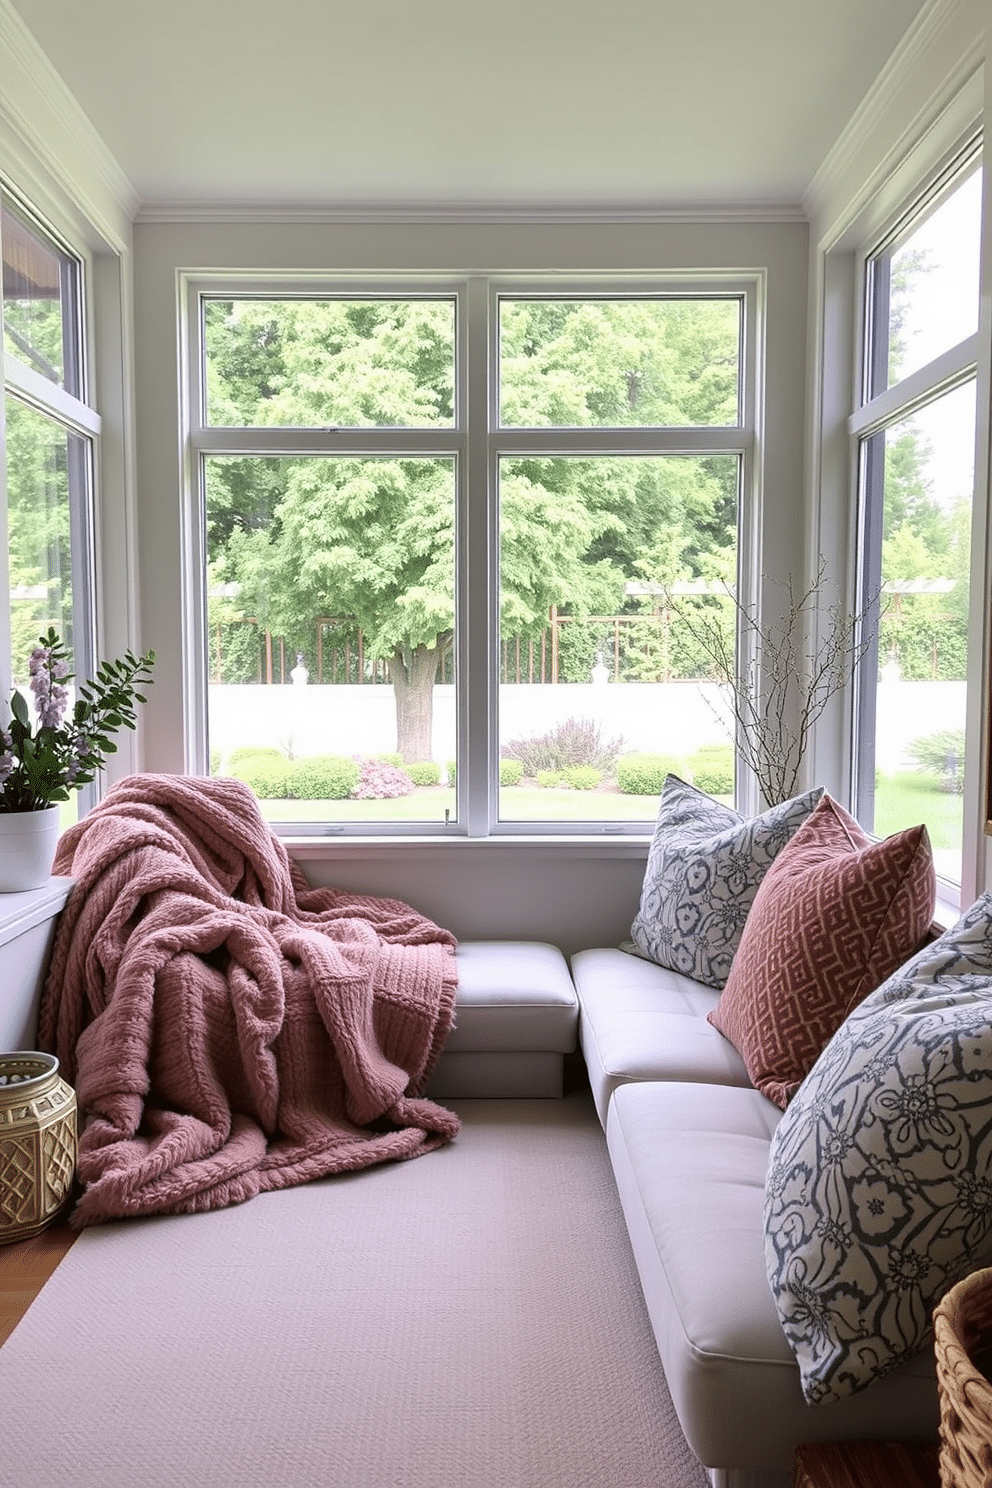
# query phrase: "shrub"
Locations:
[[644, 774], [577, 741], [450, 769], [582, 777], [379, 781], [424, 772], [941, 754], [215, 761], [391, 759], [268, 778], [510, 772], [324, 777], [246, 752], [712, 769], [548, 779]]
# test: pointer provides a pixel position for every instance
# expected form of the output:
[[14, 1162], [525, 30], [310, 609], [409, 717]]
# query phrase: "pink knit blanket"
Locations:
[[227, 1028]]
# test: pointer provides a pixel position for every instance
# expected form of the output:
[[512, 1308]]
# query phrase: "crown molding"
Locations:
[[51, 130], [882, 113], [456, 213]]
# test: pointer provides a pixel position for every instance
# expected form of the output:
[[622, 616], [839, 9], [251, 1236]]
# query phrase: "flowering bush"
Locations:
[[40, 765], [381, 782]]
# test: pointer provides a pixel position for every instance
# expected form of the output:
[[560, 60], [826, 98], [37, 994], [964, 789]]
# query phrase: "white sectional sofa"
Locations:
[[689, 1142]]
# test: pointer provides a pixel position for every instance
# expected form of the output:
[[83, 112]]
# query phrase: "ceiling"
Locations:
[[445, 103]]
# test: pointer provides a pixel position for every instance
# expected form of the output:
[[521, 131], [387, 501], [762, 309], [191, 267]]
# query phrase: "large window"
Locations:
[[448, 535], [916, 440], [49, 435]]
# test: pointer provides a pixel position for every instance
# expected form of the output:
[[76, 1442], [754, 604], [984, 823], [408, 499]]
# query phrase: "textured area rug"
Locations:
[[474, 1321]]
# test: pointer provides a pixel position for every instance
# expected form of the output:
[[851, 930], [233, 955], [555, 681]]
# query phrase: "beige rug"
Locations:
[[471, 1319]]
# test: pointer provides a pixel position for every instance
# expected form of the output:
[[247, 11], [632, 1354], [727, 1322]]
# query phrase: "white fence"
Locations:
[[665, 717]]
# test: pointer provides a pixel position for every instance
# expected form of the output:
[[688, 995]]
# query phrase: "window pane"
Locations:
[[917, 768], [932, 284], [39, 456], [331, 625], [619, 363], [330, 363], [40, 300], [602, 688]]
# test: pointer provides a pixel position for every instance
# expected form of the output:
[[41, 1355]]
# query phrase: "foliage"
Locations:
[[379, 782], [941, 754], [644, 774], [510, 772], [548, 779], [582, 777], [246, 752], [266, 777], [576, 741], [390, 759], [450, 773], [323, 777], [712, 769], [42, 763], [424, 772]]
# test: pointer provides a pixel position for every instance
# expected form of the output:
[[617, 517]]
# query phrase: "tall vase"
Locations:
[[28, 840]]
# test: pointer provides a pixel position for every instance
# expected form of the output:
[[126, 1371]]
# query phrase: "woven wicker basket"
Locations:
[[963, 1343]]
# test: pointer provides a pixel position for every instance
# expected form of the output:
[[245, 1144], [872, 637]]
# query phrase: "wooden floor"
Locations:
[[25, 1266]]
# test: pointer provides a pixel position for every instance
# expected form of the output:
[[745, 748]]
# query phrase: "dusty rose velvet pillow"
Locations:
[[834, 916]]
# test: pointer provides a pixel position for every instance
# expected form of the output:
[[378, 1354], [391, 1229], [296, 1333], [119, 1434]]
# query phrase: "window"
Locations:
[[916, 440], [446, 533], [49, 435]]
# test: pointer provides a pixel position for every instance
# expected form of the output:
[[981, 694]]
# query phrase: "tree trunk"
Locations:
[[412, 673]]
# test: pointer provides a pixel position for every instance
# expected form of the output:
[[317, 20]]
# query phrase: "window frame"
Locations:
[[476, 442], [874, 414], [73, 414]]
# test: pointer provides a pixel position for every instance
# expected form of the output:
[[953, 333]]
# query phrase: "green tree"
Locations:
[[371, 540]]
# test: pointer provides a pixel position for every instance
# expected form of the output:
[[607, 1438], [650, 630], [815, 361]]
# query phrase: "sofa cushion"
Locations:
[[835, 914], [639, 1021], [689, 1162], [703, 870], [879, 1190]]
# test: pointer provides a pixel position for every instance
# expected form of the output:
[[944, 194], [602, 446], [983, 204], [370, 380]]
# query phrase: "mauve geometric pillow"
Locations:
[[702, 873], [878, 1195], [835, 915]]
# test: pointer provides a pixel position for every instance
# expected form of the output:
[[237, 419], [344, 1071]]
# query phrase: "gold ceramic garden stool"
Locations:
[[37, 1143]]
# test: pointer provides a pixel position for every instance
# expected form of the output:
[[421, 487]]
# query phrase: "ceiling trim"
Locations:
[[938, 27], [38, 108], [467, 212]]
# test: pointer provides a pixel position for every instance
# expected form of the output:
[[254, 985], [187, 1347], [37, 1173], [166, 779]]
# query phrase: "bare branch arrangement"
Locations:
[[780, 685]]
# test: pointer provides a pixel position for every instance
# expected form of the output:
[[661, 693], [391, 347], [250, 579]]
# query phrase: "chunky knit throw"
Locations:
[[227, 1028]]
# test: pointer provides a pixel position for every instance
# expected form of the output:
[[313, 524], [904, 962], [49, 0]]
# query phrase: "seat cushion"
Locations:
[[690, 1163], [639, 1021], [513, 995]]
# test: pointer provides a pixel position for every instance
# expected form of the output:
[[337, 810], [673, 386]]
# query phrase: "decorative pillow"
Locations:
[[835, 914], [702, 873], [879, 1189]]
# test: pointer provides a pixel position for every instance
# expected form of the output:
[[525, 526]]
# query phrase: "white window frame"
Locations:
[[476, 443], [74, 415], [873, 415]]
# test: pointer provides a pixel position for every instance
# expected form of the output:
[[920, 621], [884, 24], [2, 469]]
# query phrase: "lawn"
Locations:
[[900, 801]]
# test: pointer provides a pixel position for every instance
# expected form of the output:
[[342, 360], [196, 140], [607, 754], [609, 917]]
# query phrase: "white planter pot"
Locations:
[[27, 846]]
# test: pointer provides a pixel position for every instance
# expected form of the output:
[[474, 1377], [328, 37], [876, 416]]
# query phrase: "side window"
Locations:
[[916, 438], [49, 435]]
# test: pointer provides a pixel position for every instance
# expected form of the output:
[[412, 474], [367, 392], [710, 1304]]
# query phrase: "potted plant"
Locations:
[[43, 761]]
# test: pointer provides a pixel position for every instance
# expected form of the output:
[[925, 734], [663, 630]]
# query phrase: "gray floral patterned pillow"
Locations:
[[702, 873], [879, 1188]]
